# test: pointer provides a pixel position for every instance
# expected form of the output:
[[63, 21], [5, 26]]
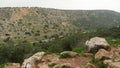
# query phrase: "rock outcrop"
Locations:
[[31, 62], [112, 57], [103, 54], [96, 43]]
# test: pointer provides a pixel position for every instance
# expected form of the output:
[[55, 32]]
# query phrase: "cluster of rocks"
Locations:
[[96, 43], [109, 55], [112, 57]]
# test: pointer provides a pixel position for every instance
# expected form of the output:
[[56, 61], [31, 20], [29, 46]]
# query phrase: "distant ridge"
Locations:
[[45, 23]]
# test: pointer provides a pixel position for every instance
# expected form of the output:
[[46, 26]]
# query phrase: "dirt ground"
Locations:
[[75, 62]]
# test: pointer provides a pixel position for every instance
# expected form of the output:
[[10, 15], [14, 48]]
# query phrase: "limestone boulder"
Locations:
[[30, 62], [103, 54], [96, 43]]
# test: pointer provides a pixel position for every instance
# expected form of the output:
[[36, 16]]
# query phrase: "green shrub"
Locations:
[[80, 50], [2, 65], [55, 48], [100, 64], [114, 42], [11, 52]]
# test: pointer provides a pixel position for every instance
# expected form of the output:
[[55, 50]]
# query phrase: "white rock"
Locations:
[[96, 42], [30, 62]]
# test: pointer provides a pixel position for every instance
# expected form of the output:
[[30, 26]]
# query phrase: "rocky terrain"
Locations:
[[110, 57], [26, 32]]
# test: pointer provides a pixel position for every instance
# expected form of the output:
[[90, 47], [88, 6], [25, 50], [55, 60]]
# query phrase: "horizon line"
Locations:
[[55, 8]]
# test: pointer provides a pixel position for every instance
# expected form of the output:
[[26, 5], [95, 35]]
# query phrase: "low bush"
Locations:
[[81, 50], [2, 65], [14, 52], [114, 42]]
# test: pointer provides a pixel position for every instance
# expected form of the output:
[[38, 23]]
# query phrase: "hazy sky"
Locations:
[[64, 4]]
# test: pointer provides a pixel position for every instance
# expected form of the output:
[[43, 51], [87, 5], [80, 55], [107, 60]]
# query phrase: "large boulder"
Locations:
[[12, 65], [103, 54], [96, 43], [30, 62], [114, 65]]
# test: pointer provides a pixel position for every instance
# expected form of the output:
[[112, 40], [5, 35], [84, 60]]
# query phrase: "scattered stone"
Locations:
[[114, 65], [12, 65], [107, 61], [89, 65], [102, 54], [96, 43], [72, 54]]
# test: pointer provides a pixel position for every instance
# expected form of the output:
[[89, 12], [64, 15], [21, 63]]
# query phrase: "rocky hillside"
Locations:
[[103, 55], [42, 23], [34, 23]]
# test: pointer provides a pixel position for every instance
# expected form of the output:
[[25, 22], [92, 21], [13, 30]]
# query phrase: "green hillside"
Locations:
[[43, 24], [34, 23], [25, 31], [94, 19]]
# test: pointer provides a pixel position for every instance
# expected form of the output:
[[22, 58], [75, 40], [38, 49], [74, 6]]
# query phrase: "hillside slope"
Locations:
[[93, 19], [34, 23], [43, 23]]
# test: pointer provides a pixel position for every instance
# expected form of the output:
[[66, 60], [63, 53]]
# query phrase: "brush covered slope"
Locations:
[[94, 19], [43, 23], [34, 23]]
